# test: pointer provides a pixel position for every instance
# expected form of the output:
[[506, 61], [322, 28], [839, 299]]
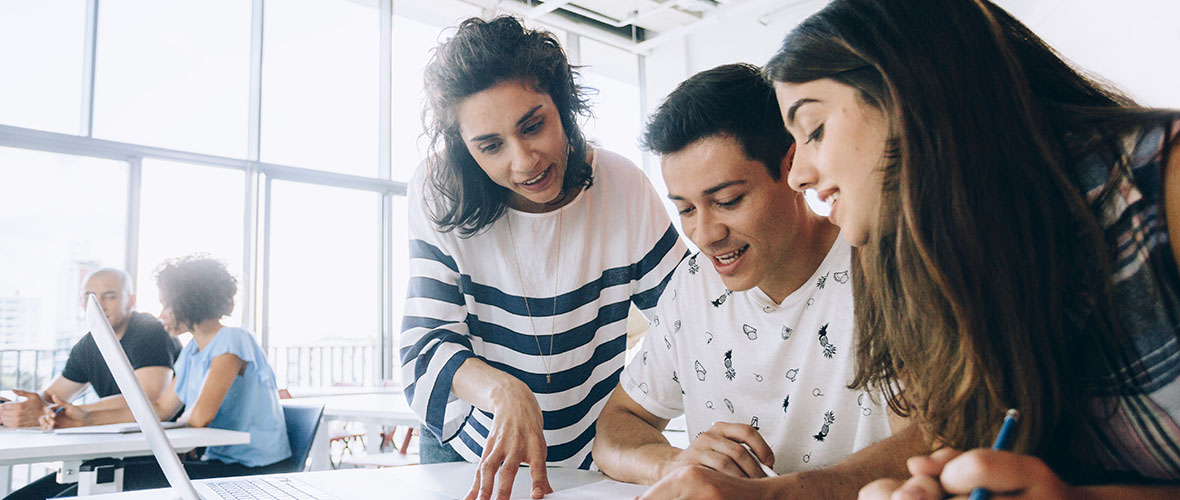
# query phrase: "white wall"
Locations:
[[1132, 43], [752, 38]]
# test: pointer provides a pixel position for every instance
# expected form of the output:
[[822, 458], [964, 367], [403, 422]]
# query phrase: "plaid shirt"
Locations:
[[1140, 441]]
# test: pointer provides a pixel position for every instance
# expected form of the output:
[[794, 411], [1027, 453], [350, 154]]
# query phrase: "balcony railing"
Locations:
[[30, 368], [326, 365], [322, 365]]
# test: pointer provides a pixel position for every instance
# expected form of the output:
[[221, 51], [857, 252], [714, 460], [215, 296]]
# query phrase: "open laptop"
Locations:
[[236, 488]]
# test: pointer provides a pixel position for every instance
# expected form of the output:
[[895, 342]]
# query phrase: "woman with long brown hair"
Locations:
[[1014, 252]]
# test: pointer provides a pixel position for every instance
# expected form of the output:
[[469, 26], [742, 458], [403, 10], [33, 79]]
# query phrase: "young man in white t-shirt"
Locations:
[[752, 338]]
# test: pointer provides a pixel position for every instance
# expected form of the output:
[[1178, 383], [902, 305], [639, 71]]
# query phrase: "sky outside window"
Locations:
[[42, 42], [61, 216], [189, 209], [174, 74]]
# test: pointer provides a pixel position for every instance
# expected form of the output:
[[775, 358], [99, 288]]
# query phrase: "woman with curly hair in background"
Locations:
[[223, 379]]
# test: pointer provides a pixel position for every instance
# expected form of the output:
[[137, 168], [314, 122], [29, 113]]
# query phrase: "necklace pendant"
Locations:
[[548, 378]]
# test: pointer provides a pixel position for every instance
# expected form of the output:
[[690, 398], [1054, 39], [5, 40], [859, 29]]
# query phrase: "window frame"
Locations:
[[255, 281]]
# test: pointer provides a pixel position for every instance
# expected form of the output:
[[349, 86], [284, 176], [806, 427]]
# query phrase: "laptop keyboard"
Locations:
[[262, 488]]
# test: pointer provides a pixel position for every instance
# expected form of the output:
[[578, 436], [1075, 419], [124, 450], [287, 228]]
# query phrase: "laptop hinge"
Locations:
[[101, 475]]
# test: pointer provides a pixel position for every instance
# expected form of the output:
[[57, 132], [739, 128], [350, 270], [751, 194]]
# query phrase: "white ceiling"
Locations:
[[655, 15], [661, 20]]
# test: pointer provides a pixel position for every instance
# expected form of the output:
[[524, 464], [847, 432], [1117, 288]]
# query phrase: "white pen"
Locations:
[[769, 472]]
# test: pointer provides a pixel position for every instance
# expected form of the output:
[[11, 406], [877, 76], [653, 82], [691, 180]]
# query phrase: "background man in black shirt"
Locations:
[[151, 351]]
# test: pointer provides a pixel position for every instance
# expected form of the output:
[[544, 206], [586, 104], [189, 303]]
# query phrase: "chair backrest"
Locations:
[[302, 423]]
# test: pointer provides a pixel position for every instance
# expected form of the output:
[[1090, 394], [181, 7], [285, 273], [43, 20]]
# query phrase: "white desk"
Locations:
[[21, 447], [373, 410], [413, 482], [340, 390]]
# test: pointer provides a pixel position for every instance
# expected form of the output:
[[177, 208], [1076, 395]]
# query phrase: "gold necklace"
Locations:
[[545, 360]]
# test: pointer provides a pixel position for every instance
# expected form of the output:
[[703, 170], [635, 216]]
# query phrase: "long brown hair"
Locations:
[[985, 284]]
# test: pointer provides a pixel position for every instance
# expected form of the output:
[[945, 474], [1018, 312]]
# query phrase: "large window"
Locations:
[[320, 80], [174, 74], [325, 264], [614, 72], [271, 135], [61, 216], [414, 39], [417, 28], [41, 45], [189, 209], [400, 253], [325, 284], [136, 131]]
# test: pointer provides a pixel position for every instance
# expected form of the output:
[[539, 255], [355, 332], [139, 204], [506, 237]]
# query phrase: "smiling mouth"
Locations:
[[731, 256], [540, 177], [831, 199]]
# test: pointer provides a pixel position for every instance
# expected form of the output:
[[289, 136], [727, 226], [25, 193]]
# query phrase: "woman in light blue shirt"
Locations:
[[222, 375], [223, 380]]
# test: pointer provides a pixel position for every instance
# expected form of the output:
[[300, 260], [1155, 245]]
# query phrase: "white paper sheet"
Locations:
[[606, 489], [124, 428]]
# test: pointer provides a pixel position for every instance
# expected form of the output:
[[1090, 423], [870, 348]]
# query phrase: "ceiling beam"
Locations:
[[635, 15], [545, 8], [732, 9], [495, 7]]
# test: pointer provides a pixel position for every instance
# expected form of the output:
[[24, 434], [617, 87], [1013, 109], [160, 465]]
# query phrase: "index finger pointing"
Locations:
[[540, 475]]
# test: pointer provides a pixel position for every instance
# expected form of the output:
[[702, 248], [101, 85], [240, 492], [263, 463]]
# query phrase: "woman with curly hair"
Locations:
[[223, 379], [1013, 220], [527, 248]]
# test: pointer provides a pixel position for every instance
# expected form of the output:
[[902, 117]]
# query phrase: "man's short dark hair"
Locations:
[[731, 100]]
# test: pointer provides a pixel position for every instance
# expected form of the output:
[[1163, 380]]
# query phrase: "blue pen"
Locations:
[[1003, 442]]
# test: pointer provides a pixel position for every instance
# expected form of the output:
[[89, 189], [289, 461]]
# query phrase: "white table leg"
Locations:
[[100, 476], [5, 480], [373, 437], [320, 451], [68, 473]]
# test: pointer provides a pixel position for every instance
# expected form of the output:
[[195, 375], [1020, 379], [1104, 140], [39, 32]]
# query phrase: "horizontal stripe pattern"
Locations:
[[465, 298]]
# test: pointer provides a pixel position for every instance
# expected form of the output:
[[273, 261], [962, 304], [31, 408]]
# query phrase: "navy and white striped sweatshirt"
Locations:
[[465, 299]]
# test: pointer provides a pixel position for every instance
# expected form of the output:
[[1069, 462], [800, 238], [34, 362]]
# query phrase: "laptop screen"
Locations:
[[141, 408]]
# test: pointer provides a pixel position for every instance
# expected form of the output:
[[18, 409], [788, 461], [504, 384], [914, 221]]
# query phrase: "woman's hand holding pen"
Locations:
[[949, 473], [63, 414]]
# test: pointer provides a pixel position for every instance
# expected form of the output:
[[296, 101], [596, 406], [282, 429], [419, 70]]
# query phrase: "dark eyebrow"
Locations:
[[723, 185], [711, 190], [527, 115], [795, 107]]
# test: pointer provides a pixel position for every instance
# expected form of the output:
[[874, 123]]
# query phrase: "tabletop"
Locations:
[[19, 446], [451, 480], [389, 408]]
